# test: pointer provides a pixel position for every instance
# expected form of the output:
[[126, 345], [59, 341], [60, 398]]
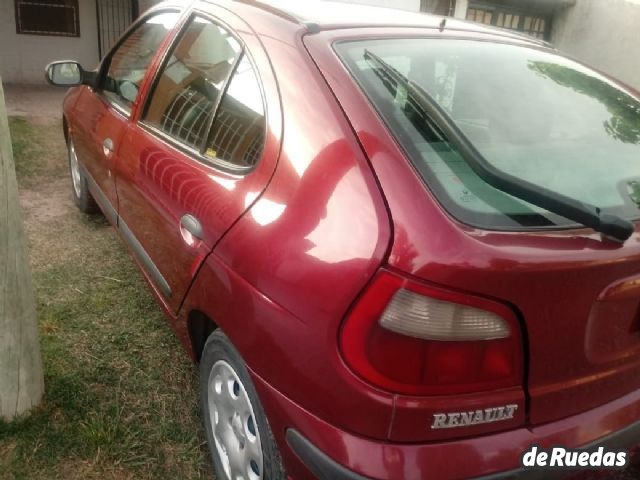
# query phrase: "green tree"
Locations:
[[624, 124]]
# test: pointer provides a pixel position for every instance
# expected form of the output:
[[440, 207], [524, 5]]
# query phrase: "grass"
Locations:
[[121, 399], [32, 144]]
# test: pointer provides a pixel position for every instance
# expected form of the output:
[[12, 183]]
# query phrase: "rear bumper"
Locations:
[[312, 448], [324, 468]]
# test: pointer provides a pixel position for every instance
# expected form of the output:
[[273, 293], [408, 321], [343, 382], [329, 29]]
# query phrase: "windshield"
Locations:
[[530, 113]]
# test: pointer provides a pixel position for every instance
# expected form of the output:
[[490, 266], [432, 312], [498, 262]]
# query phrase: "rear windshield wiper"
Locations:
[[611, 226]]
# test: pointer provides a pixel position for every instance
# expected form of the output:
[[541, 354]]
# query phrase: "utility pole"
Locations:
[[21, 378]]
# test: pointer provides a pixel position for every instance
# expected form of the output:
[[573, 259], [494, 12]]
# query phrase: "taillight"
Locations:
[[410, 338]]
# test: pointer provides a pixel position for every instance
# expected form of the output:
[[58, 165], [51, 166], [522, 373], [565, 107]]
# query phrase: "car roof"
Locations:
[[320, 15]]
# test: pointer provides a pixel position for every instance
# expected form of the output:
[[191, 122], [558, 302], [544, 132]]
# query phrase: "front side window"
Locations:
[[130, 61], [192, 81], [529, 112]]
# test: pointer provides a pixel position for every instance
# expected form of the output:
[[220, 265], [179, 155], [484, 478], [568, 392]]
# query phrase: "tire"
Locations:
[[79, 185], [231, 408]]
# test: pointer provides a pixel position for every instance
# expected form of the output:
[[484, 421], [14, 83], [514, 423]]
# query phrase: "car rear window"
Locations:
[[530, 112]]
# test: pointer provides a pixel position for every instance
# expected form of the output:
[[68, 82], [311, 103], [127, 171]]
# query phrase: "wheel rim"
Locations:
[[233, 423], [75, 170]]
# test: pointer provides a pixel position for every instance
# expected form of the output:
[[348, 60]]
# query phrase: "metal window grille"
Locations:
[[227, 136], [530, 23], [229, 139], [113, 17], [255, 149], [479, 15], [187, 117], [47, 17]]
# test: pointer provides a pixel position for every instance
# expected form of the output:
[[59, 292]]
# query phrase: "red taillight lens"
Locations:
[[415, 339]]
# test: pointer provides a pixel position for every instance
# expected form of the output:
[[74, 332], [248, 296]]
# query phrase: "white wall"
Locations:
[[604, 34], [23, 57], [412, 5], [461, 9]]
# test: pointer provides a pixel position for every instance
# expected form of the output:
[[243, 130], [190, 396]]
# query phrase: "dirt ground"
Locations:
[[42, 102]]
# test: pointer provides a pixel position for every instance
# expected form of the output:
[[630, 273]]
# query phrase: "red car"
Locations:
[[399, 246]]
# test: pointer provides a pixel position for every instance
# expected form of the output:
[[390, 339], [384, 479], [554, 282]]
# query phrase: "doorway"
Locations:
[[114, 17]]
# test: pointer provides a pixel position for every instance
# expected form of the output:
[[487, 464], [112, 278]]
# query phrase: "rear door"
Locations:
[[102, 115], [199, 155]]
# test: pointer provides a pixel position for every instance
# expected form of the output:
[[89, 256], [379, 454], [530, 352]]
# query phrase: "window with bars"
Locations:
[[188, 116], [508, 20], [534, 24], [48, 17], [479, 15]]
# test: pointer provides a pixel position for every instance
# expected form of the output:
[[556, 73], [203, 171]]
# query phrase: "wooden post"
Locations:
[[21, 379]]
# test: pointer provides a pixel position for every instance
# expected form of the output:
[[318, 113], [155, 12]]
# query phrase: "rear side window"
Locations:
[[530, 112], [237, 136], [208, 97], [130, 61], [191, 84]]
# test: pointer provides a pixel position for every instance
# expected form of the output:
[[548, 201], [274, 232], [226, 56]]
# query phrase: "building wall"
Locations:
[[461, 9], [146, 4], [604, 34], [23, 57]]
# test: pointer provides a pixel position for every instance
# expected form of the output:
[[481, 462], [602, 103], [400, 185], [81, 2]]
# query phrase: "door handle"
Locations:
[[192, 225], [107, 147]]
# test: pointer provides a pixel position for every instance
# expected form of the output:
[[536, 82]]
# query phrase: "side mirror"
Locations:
[[67, 73], [128, 90]]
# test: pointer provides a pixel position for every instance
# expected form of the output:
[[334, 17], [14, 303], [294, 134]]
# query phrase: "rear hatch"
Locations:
[[539, 117], [578, 300], [584, 335]]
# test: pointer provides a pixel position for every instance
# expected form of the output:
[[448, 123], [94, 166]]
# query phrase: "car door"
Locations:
[[102, 114], [199, 155]]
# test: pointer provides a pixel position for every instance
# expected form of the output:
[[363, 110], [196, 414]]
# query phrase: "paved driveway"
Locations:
[[34, 100]]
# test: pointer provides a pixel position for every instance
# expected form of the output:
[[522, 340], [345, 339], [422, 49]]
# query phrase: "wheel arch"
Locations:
[[199, 326], [65, 129]]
